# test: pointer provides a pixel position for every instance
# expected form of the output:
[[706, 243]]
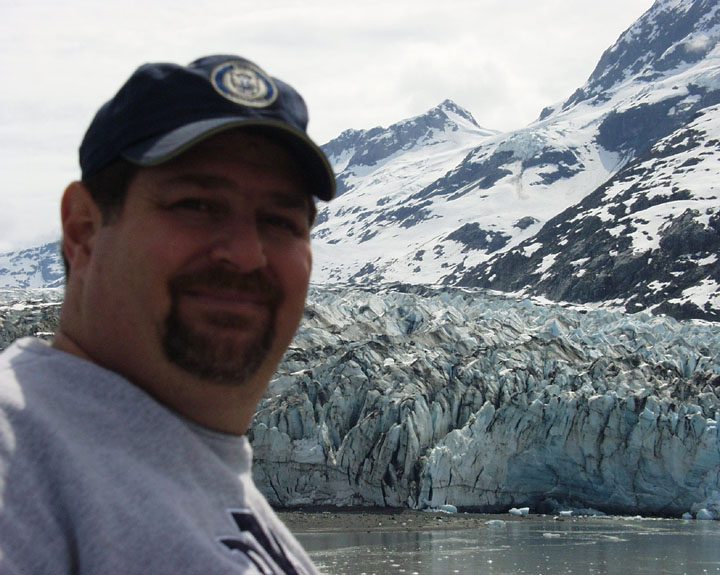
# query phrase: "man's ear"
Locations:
[[81, 220]]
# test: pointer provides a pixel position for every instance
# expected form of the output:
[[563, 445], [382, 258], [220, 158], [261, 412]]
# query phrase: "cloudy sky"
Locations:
[[359, 64]]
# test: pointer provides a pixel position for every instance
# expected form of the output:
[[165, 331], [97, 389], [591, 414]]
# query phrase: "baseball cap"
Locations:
[[164, 109]]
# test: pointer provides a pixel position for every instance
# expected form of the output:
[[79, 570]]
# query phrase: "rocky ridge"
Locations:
[[647, 238]]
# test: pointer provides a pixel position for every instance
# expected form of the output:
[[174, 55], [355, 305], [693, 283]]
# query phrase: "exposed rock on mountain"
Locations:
[[669, 36], [379, 170], [647, 239], [357, 152]]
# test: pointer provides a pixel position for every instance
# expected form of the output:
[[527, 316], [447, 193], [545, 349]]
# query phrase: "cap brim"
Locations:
[[155, 151]]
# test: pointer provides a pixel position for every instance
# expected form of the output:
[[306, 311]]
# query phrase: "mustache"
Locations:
[[223, 278]]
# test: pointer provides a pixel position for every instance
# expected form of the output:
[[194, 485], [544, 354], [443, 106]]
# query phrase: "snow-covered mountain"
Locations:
[[377, 171], [38, 267], [648, 237], [610, 197]]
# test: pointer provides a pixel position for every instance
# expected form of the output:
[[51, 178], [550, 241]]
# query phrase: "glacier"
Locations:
[[423, 397]]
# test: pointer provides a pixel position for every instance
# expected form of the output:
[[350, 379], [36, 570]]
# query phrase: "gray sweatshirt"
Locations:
[[96, 477]]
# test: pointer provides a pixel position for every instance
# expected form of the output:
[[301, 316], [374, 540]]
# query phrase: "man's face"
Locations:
[[206, 269]]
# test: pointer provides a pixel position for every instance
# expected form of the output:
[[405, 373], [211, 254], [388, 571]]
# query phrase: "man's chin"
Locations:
[[225, 349]]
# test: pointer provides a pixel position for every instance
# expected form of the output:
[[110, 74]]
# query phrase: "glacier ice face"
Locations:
[[424, 398], [28, 312]]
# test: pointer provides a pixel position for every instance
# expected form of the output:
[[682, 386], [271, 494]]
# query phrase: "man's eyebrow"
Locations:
[[283, 199], [300, 202], [211, 181], [208, 181], [291, 200]]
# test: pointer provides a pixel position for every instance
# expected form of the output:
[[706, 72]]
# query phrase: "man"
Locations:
[[187, 245]]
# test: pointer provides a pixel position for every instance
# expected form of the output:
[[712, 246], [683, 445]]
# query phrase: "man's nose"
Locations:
[[239, 245]]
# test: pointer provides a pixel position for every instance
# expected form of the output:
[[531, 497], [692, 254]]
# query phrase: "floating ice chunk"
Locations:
[[704, 515], [687, 516], [495, 523], [566, 513], [590, 512], [551, 535], [710, 507], [522, 511], [447, 508]]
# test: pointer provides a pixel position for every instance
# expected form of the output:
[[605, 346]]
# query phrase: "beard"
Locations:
[[214, 357]]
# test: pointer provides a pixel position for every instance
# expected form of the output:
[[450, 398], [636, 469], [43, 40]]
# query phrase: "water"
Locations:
[[537, 547]]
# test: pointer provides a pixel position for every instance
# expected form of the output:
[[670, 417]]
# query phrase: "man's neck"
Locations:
[[222, 408]]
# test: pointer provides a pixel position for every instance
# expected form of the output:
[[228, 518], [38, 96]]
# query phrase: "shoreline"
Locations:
[[369, 519]]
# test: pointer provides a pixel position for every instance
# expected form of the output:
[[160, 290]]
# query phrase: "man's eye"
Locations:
[[196, 205], [284, 223]]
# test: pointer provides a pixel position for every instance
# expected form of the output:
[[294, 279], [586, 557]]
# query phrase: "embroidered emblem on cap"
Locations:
[[243, 83]]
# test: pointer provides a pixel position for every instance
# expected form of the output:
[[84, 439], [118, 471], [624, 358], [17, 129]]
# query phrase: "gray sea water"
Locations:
[[539, 547]]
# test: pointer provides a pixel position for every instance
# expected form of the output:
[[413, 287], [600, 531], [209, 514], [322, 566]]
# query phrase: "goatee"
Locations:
[[219, 359]]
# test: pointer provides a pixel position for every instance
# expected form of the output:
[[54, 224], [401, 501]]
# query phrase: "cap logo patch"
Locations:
[[244, 84]]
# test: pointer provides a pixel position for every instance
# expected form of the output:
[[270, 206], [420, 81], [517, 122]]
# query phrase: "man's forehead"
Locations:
[[283, 194]]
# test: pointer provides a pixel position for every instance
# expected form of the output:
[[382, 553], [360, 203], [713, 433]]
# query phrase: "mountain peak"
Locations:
[[446, 122], [446, 115], [670, 35], [449, 108]]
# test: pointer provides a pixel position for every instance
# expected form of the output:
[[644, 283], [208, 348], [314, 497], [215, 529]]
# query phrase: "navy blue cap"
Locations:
[[164, 109]]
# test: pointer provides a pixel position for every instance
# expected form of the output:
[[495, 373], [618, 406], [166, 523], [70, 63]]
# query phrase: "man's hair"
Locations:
[[108, 189]]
